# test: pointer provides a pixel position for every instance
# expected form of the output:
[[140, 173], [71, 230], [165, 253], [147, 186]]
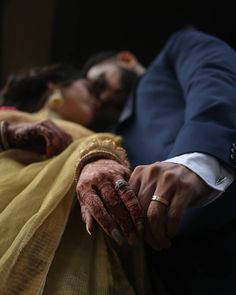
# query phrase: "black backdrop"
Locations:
[[83, 28]]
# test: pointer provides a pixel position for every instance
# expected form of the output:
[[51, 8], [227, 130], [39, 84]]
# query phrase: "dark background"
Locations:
[[39, 32], [142, 27]]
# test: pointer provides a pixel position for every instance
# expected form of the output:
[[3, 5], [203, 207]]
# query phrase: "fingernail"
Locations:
[[87, 229], [132, 239], [117, 236]]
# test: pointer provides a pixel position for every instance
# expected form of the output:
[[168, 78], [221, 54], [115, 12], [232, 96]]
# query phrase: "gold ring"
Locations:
[[161, 200]]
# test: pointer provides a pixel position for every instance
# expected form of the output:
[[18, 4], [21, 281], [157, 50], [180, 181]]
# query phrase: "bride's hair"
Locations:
[[27, 89]]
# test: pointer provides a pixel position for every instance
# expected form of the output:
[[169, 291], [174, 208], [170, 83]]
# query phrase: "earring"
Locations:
[[56, 98]]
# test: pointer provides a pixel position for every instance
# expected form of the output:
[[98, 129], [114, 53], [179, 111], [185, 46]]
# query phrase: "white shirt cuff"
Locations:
[[210, 170]]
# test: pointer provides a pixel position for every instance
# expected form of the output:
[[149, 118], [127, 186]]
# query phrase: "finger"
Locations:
[[118, 211], [157, 213], [48, 136], [52, 136], [134, 183], [175, 213], [96, 208], [156, 221], [131, 202], [55, 140], [126, 173], [148, 236], [87, 219], [90, 223], [64, 138]]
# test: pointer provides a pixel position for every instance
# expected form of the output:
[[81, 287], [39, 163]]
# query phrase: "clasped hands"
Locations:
[[122, 213]]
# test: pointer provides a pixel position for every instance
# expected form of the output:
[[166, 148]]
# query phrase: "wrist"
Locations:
[[101, 149]]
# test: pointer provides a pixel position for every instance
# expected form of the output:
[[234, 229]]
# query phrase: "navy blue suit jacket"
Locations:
[[186, 102]]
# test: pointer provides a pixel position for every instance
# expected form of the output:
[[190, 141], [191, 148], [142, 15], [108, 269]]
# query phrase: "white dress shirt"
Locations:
[[210, 170]]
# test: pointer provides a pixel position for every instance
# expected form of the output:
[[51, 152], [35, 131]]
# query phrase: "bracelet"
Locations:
[[3, 138], [101, 149]]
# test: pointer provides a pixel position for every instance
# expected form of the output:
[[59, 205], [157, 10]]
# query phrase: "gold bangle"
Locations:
[[101, 148], [3, 128]]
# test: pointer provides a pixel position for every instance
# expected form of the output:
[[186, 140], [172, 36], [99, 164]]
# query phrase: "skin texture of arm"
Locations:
[[42, 137]]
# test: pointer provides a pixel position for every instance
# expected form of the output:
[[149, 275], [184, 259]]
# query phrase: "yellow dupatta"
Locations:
[[44, 248]]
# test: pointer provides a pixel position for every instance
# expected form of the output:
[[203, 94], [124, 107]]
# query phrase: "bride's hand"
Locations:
[[43, 137], [105, 196]]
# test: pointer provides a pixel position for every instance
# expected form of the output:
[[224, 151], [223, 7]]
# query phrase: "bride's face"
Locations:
[[79, 105]]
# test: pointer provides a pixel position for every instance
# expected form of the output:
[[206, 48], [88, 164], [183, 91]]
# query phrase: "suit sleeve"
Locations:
[[206, 70]]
